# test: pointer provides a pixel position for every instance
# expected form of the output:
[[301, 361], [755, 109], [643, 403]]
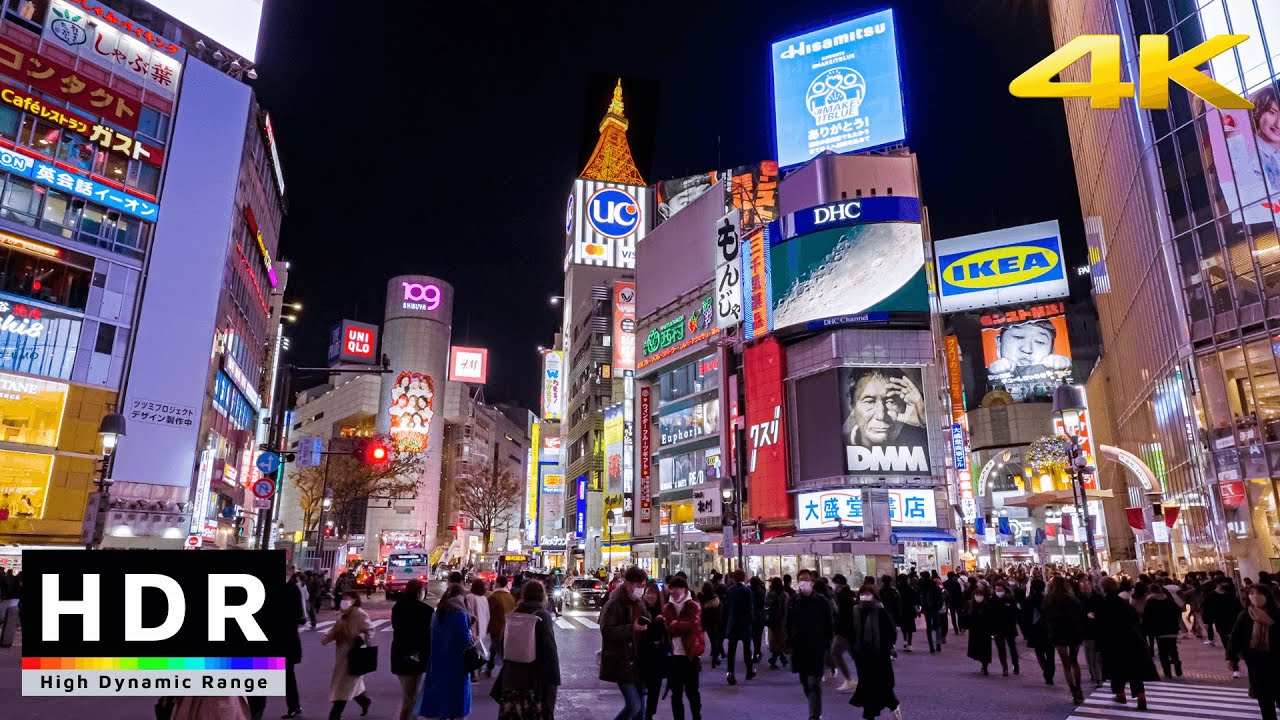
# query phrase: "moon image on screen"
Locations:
[[865, 265]]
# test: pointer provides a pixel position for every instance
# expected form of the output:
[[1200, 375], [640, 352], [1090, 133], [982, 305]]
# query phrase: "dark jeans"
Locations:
[[908, 629], [1168, 647], [935, 628], [495, 651], [746, 654], [652, 694], [812, 685], [1007, 648], [291, 701], [717, 644], [1044, 655], [757, 640], [955, 618], [1224, 629], [1267, 701], [683, 682], [632, 702]]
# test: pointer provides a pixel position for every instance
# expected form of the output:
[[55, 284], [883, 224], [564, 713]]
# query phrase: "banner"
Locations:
[[1137, 520], [764, 368], [624, 326], [728, 289], [1028, 359], [884, 417]]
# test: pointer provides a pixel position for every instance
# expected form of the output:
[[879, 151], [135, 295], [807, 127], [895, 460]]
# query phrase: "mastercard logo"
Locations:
[[595, 250]]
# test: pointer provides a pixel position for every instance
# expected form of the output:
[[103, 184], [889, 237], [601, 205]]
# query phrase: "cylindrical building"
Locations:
[[415, 339]]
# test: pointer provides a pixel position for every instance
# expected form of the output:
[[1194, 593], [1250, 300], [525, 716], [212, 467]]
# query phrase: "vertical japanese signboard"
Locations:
[[1075, 423], [624, 326], [580, 512], [728, 289], [955, 383], [764, 366], [531, 485], [644, 491], [552, 388], [757, 293]]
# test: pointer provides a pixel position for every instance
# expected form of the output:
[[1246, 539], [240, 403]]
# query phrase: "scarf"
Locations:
[[1262, 621], [868, 623]]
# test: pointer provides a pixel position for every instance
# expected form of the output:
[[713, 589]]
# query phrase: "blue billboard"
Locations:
[[837, 89], [55, 177], [1009, 266], [580, 511]]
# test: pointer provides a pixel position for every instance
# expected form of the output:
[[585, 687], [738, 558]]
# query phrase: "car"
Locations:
[[585, 593]]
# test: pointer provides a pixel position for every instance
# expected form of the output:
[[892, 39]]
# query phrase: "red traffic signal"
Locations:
[[372, 451]]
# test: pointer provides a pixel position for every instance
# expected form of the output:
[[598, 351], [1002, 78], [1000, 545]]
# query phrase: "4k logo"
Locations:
[[1156, 70]]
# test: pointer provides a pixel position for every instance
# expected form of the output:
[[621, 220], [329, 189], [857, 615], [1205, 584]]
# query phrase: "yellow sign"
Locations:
[[1155, 71], [31, 410]]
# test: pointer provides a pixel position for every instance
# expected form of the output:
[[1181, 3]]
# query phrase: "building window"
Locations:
[[61, 214], [106, 339], [20, 201], [76, 150], [43, 279], [153, 124]]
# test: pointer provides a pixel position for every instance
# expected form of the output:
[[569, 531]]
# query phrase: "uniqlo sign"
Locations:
[[764, 366], [353, 342]]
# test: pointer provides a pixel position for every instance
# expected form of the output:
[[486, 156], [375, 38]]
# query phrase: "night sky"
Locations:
[[472, 191]]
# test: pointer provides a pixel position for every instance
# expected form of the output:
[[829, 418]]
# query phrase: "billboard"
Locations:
[[552, 482], [552, 389], [624, 326], [764, 369], [852, 270], [37, 340], [1002, 267], [550, 448], [613, 422], [114, 43], [757, 296], [1030, 355], [580, 509], [412, 409], [232, 24], [79, 90], [353, 342], [604, 221], [830, 509], [884, 421], [753, 191], [677, 194], [837, 89], [468, 365]]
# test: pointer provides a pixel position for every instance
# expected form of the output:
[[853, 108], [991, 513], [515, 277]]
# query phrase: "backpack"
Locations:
[[519, 639]]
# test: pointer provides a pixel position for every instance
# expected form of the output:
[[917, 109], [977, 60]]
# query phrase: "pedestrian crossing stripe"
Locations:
[[565, 622], [377, 625], [1173, 701]]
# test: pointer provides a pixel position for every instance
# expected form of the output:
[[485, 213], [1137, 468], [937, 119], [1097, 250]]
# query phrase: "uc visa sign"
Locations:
[[1001, 267]]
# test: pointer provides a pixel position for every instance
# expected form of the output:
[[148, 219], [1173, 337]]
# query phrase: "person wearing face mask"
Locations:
[[932, 605], [775, 611], [980, 628], [1002, 616], [352, 625], [810, 628], [1064, 616], [1090, 598], [873, 638], [1256, 638], [622, 622], [683, 617]]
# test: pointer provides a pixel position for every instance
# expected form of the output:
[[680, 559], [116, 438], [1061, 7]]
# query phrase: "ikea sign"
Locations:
[[1001, 267]]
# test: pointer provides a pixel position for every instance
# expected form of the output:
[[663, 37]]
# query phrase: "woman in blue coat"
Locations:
[[446, 694]]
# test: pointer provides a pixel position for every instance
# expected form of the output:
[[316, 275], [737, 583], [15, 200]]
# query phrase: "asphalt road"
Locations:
[[930, 686]]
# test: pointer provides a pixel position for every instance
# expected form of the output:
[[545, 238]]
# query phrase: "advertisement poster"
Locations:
[[1002, 267], [604, 221], [552, 397], [1246, 163], [624, 326], [764, 368], [1029, 358], [884, 421], [37, 340], [411, 411], [875, 267], [837, 89], [677, 194], [728, 287], [613, 431], [753, 191]]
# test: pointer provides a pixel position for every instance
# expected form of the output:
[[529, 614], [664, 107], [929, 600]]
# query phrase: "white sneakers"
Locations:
[[897, 713], [848, 686], [1235, 674]]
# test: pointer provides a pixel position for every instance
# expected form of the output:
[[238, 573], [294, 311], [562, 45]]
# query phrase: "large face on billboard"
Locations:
[[884, 421], [604, 221], [1027, 351], [1002, 267], [837, 89], [412, 408], [871, 261], [675, 195]]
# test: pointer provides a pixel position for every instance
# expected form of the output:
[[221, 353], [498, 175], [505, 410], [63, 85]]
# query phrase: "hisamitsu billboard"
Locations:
[[837, 89], [1002, 267]]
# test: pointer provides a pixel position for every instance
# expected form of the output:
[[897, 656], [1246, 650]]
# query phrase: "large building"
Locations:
[[129, 288], [607, 216], [1186, 277]]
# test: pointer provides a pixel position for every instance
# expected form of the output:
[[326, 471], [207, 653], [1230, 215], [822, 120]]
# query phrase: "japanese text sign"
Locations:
[[728, 290], [82, 152], [95, 34], [552, 390], [161, 413], [624, 326], [830, 509], [27, 67]]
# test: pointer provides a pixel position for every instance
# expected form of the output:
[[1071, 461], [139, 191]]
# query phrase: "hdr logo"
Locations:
[[1156, 70], [613, 212]]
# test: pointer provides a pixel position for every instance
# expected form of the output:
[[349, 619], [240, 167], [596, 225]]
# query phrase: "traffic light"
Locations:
[[372, 451]]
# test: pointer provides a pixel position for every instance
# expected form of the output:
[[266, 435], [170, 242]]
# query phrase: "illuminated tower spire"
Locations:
[[611, 160]]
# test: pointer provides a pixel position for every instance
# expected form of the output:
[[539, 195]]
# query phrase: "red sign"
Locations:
[[624, 326], [1039, 312], [468, 365], [646, 420], [126, 25], [28, 67], [1076, 424], [755, 243], [1232, 493], [358, 342], [764, 367], [95, 134]]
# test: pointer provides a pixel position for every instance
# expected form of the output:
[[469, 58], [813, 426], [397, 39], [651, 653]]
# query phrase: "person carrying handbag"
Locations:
[[527, 689], [352, 630], [446, 693]]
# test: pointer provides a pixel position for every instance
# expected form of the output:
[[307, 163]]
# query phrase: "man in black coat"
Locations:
[[738, 606], [295, 616], [843, 642], [955, 599], [410, 644], [811, 628]]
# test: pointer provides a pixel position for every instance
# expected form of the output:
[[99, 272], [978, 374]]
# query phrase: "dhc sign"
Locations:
[[1003, 267], [842, 211]]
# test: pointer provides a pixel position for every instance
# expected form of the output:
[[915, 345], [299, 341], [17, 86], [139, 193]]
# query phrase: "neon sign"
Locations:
[[421, 296], [262, 246]]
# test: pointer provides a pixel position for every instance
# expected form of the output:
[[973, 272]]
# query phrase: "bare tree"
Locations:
[[488, 496], [352, 481]]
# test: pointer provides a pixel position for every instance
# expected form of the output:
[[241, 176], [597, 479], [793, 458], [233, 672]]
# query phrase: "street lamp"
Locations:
[[1069, 400], [555, 300], [733, 510], [110, 429]]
